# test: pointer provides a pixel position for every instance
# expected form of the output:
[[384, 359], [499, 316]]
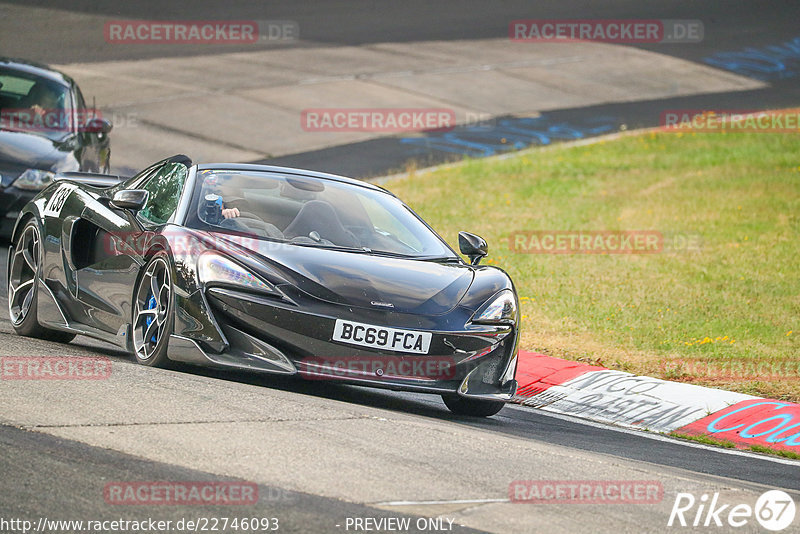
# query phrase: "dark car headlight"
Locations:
[[34, 179], [215, 269], [500, 309]]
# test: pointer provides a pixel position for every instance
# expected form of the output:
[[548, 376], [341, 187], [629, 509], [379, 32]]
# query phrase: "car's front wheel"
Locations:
[[24, 264], [475, 407], [152, 313]]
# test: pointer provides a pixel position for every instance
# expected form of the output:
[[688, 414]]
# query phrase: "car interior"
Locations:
[[301, 211], [17, 92]]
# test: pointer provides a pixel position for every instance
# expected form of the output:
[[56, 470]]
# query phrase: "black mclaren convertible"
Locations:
[[266, 269]]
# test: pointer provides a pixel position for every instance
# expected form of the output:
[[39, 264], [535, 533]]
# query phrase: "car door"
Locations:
[[114, 244]]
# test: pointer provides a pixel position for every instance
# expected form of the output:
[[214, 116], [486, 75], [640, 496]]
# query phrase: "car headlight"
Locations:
[[213, 268], [500, 309], [34, 179]]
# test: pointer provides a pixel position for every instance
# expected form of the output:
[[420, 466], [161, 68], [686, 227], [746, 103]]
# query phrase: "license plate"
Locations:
[[379, 337]]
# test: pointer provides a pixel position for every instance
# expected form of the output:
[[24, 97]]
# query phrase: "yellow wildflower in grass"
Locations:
[[705, 340]]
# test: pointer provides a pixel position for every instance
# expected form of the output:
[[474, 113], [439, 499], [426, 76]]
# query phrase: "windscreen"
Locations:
[[35, 105], [309, 211]]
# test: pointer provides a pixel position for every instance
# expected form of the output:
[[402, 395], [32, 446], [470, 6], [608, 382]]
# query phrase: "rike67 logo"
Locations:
[[774, 510]]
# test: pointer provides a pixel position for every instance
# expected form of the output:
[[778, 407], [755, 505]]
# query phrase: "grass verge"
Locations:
[[718, 306], [706, 440], [777, 452]]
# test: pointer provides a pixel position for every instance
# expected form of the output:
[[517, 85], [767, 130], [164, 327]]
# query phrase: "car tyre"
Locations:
[[474, 407], [24, 269], [153, 307]]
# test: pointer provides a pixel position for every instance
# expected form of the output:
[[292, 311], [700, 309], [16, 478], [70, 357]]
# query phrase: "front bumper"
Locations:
[[256, 333]]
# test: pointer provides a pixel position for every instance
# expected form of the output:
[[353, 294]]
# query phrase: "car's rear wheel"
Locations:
[[24, 264], [152, 313], [475, 407]]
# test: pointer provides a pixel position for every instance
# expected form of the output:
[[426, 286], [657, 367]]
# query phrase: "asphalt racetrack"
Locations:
[[328, 457]]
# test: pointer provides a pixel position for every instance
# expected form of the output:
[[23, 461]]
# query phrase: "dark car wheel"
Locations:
[[476, 407], [24, 259], [152, 313]]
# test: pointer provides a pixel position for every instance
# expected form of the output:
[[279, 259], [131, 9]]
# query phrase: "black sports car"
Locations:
[[267, 269], [45, 128]]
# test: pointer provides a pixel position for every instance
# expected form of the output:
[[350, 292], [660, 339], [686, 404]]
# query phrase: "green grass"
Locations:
[[706, 440], [681, 315], [777, 452]]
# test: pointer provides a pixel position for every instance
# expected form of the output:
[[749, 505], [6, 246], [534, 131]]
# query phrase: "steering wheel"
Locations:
[[251, 224], [248, 215]]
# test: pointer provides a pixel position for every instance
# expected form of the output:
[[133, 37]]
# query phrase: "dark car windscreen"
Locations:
[[311, 212], [33, 104]]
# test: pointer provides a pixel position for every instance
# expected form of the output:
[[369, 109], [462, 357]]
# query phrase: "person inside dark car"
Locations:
[[41, 99], [41, 109], [316, 221], [226, 208]]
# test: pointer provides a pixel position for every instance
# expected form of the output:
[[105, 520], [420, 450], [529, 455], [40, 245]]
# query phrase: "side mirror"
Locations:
[[96, 125], [130, 199], [472, 246]]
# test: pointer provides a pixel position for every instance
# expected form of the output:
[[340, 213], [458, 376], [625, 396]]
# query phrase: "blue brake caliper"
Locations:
[[151, 305]]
